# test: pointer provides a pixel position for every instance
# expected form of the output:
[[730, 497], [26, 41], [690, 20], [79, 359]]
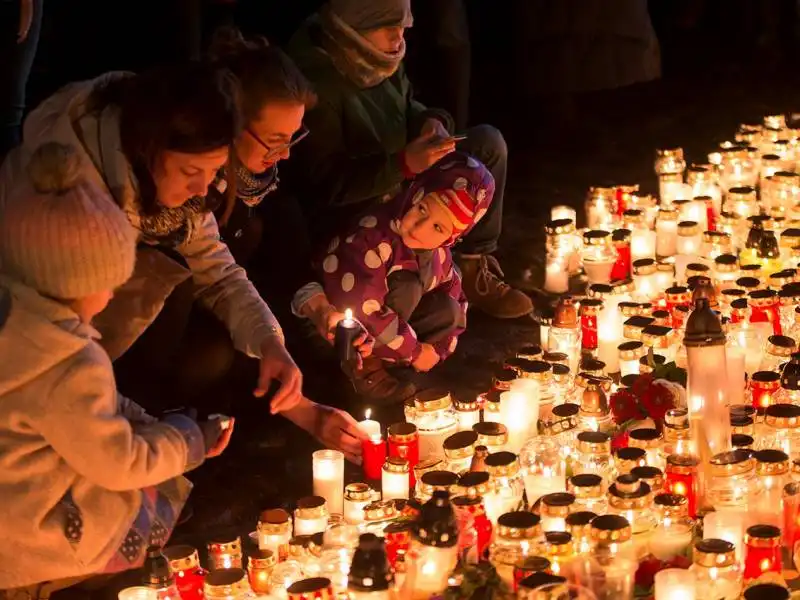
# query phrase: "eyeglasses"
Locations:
[[298, 136]]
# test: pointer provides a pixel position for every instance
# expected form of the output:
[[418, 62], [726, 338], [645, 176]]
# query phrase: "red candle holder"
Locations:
[[763, 386], [589, 309], [765, 308], [791, 515], [184, 562], [622, 194], [404, 443], [398, 540], [621, 270], [530, 565], [373, 455], [474, 528], [762, 551], [711, 216], [682, 479]]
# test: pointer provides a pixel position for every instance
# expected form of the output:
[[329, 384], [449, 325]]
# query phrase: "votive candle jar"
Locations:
[[717, 571], [328, 467], [311, 515], [682, 479], [674, 584], [259, 570], [731, 482], [435, 420], [394, 479], [404, 443], [356, 497], [184, 563], [274, 532], [762, 551]]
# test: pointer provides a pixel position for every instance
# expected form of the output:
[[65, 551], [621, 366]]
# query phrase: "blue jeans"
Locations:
[[487, 144], [16, 60]]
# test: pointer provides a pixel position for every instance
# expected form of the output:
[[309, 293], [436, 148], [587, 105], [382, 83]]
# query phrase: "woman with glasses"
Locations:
[[156, 141]]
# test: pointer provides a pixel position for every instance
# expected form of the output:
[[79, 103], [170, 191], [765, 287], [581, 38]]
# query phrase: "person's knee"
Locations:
[[487, 143], [452, 314], [405, 293]]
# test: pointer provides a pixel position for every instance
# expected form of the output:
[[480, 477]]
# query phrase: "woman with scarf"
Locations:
[[370, 137], [156, 141]]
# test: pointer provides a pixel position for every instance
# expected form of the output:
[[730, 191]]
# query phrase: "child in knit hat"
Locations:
[[395, 271], [87, 478]]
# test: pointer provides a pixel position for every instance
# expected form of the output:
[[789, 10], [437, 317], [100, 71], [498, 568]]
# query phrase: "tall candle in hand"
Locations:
[[347, 330]]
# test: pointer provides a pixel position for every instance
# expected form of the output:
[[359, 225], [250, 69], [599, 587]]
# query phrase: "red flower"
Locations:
[[646, 573], [679, 562], [620, 441], [657, 400], [624, 406]]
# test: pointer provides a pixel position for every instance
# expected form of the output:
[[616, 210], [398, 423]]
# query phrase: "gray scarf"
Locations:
[[353, 55]]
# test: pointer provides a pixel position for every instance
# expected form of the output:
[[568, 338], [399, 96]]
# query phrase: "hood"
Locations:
[[306, 51], [65, 117], [458, 172], [36, 334]]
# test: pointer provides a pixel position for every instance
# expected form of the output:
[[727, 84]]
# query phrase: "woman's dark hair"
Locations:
[[192, 108], [265, 73]]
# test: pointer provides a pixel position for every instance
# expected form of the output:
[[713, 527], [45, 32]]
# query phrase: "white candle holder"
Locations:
[[328, 468], [675, 584], [394, 479]]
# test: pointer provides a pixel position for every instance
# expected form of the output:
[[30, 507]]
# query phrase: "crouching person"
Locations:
[[394, 269], [87, 478]]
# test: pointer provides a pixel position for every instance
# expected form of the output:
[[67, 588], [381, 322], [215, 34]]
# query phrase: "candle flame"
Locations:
[[367, 414], [348, 314]]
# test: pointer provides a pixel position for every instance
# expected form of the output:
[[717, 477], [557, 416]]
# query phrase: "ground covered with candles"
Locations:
[[612, 140]]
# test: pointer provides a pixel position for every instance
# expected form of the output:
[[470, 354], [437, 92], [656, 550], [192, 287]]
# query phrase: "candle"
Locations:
[[184, 563], [643, 244], [259, 569], [666, 544], [519, 411], [347, 330], [311, 515], [138, 592], [328, 468], [563, 212], [356, 497], [675, 584], [556, 280], [225, 553], [274, 532], [762, 551], [373, 448], [404, 443], [394, 480]]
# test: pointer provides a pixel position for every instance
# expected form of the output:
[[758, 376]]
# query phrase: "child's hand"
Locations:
[[427, 359], [216, 437], [426, 150]]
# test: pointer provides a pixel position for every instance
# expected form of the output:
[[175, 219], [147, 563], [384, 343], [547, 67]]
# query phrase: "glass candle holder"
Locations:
[[765, 308], [762, 551], [588, 312], [629, 355], [689, 238], [682, 479], [772, 474], [225, 553], [562, 211], [311, 515], [394, 479], [611, 534], [184, 563], [508, 486], [589, 493], [716, 569], [404, 443], [778, 351], [791, 518], [356, 497], [594, 454], [621, 239], [763, 388], [599, 256], [727, 525], [667, 232], [630, 498], [652, 476], [474, 528], [554, 509], [227, 584], [674, 584], [600, 207], [629, 458], [435, 420], [542, 467], [259, 570], [492, 435], [669, 161], [651, 441], [731, 479], [673, 534], [515, 539], [435, 481], [459, 449], [782, 429], [274, 532], [138, 592], [468, 413], [283, 576], [313, 588], [328, 467], [644, 279]]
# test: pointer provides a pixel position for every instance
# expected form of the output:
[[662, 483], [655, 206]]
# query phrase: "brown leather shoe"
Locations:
[[482, 280], [374, 382]]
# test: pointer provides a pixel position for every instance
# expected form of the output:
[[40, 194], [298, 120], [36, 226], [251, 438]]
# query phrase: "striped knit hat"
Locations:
[[462, 185], [61, 234]]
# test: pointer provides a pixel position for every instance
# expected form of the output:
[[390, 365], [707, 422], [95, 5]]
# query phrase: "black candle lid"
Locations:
[[766, 591], [370, 570], [541, 579], [436, 524]]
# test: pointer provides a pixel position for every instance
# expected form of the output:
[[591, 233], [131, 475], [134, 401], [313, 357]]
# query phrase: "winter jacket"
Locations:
[[222, 286], [75, 455], [357, 264]]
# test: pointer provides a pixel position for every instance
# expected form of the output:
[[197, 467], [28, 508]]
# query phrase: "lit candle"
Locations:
[[373, 448], [394, 480], [274, 532], [225, 553], [138, 592], [563, 212], [356, 497], [347, 330], [726, 525], [609, 326], [675, 584], [519, 411], [643, 244], [328, 468], [556, 279], [311, 515]]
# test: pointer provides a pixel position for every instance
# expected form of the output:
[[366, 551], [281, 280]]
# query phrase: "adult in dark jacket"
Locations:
[[369, 136]]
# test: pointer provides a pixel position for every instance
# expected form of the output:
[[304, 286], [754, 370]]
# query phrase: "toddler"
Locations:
[[395, 270]]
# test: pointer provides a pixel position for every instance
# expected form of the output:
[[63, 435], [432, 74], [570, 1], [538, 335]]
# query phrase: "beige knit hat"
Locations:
[[63, 235]]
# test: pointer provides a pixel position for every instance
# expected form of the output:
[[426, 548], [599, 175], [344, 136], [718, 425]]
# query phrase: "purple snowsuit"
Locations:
[[355, 269]]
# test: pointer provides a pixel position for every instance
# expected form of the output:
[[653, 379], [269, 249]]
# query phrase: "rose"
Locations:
[[620, 441], [624, 406], [657, 400]]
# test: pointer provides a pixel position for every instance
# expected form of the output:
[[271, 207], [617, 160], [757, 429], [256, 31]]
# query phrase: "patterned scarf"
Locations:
[[171, 226], [354, 56]]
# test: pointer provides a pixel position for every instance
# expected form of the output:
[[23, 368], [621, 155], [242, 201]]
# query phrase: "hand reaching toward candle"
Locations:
[[276, 363], [427, 359], [333, 428], [217, 435]]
